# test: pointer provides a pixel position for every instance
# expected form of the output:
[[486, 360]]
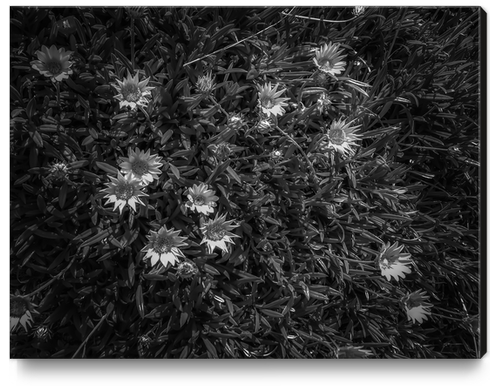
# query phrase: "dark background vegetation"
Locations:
[[300, 281]]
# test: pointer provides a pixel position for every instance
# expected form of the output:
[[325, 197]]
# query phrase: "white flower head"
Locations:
[[201, 199], [341, 138], [236, 120], [187, 269], [21, 311], [53, 63], [163, 246], [358, 10], [132, 92], [142, 165], [270, 101], [124, 190], [58, 171], [217, 233], [205, 83], [392, 262], [328, 59], [353, 352], [417, 306], [43, 333], [221, 151]]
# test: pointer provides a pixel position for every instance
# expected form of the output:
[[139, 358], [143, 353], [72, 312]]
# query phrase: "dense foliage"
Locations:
[[301, 275]]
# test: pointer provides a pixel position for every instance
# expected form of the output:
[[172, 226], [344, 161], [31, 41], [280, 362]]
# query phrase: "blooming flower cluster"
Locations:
[[216, 232], [395, 264], [164, 245], [137, 171]]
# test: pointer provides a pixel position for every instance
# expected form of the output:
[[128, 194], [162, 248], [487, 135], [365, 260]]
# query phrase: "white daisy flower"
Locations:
[[21, 310], [269, 100], [124, 190], [163, 246], [201, 199], [392, 262], [341, 138], [53, 63], [217, 233], [132, 92], [417, 307], [328, 59], [142, 165]]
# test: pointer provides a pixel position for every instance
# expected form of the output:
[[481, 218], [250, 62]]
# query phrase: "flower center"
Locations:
[[140, 167], [215, 232], [337, 136], [54, 67], [326, 64], [385, 263], [18, 307], [199, 200], [163, 244], [216, 235], [124, 191], [268, 103], [131, 92], [412, 304]]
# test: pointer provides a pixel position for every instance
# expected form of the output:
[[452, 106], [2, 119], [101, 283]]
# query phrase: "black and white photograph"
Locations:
[[247, 182]]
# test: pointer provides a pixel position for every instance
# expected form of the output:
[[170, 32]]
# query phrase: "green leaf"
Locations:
[[175, 170], [106, 167], [31, 108], [139, 301], [210, 347], [184, 316], [271, 313], [95, 239], [62, 195], [131, 273]]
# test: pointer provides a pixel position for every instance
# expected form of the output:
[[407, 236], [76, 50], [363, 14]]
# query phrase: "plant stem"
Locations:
[[310, 165], [91, 333], [316, 19], [58, 94], [53, 279], [240, 41]]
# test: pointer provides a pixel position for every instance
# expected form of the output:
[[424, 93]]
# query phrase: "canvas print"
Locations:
[[247, 182]]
